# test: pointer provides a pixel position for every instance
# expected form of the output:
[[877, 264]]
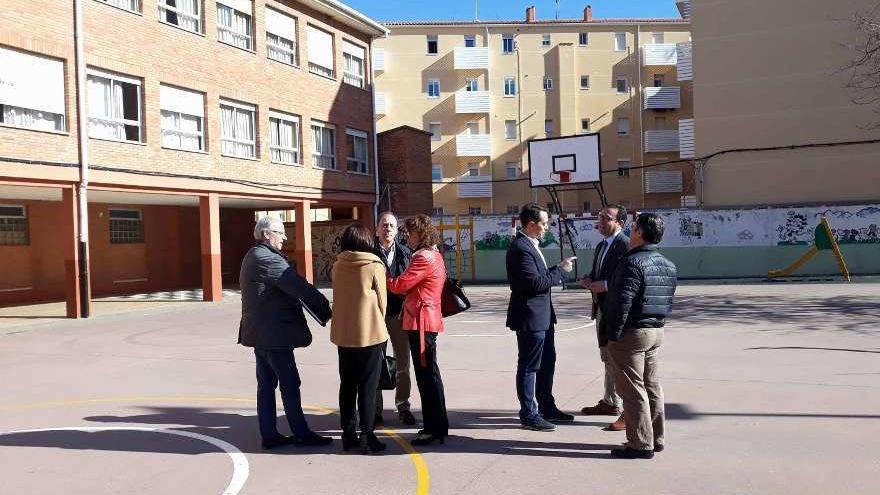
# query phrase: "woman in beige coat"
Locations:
[[358, 330]]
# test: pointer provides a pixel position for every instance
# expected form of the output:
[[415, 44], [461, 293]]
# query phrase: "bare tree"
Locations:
[[864, 69]]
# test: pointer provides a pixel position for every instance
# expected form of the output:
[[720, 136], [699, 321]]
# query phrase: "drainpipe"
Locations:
[[640, 109], [488, 130], [83, 149], [376, 206]]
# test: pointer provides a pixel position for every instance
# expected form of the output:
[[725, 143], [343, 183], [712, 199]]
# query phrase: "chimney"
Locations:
[[530, 14], [588, 13]]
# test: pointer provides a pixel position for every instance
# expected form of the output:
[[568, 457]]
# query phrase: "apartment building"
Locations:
[[774, 78], [189, 116], [483, 89]]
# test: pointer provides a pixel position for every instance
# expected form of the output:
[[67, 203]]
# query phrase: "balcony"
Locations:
[[685, 65], [684, 8], [378, 59], [479, 186], [663, 181], [471, 58], [686, 138], [471, 102], [381, 103], [661, 141], [473, 145], [662, 98], [659, 54]]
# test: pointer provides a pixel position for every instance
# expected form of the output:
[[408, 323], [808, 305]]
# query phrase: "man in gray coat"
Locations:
[[272, 322]]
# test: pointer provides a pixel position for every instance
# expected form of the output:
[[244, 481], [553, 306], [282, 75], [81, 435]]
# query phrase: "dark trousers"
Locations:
[[535, 367], [278, 367], [358, 380], [430, 384]]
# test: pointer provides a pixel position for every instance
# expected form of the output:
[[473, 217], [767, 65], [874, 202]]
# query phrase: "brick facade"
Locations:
[[405, 167]]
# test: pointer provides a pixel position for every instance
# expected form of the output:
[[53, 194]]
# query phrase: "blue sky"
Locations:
[[410, 10]]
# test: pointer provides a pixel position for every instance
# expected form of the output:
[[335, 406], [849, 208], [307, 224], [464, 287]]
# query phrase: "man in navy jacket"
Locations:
[[530, 314]]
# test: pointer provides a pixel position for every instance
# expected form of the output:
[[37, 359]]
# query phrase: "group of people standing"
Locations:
[[387, 290]]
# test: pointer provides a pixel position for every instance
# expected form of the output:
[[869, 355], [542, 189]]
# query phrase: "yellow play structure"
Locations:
[[824, 241]]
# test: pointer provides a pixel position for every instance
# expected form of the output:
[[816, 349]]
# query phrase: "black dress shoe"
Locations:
[[349, 441], [557, 417], [378, 419], [427, 439], [406, 417], [312, 439], [278, 441], [658, 447], [631, 453], [371, 444]]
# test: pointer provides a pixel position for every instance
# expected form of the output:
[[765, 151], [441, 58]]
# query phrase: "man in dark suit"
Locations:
[[273, 323], [397, 257], [530, 314], [608, 252]]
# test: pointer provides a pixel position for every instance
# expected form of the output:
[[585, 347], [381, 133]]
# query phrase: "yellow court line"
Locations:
[[422, 476]]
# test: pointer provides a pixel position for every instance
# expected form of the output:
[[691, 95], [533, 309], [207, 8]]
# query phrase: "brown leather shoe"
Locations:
[[600, 409], [618, 425]]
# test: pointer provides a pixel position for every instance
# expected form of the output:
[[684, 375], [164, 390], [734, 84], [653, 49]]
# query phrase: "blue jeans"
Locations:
[[274, 367], [535, 367]]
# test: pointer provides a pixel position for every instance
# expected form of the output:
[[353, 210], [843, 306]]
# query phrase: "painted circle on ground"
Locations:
[[240, 466]]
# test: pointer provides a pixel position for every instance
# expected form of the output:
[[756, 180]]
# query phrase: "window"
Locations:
[[235, 24], [183, 118], [657, 38], [31, 91], [545, 40], [623, 126], [185, 14], [509, 129], [548, 83], [551, 208], [621, 84], [588, 207], [353, 66], [238, 137], [659, 79], [620, 42], [114, 107], [434, 129], [473, 170], [437, 173], [130, 5], [511, 170], [583, 39], [356, 143], [320, 52], [585, 125], [509, 86], [623, 168], [437, 211], [284, 138], [512, 209], [471, 85], [433, 88], [585, 82], [13, 226], [507, 43], [470, 41], [324, 135], [660, 123], [472, 128], [432, 44], [126, 226], [548, 126], [281, 37], [474, 210]]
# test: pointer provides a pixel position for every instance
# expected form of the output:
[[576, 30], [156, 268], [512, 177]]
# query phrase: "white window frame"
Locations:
[[316, 68], [657, 36], [473, 170], [548, 126], [247, 37], [276, 118], [623, 167], [438, 168], [37, 101], [472, 128], [139, 221], [361, 166], [545, 39], [472, 84], [433, 83], [510, 125], [352, 78], [180, 132], [163, 9], [585, 77], [509, 86], [236, 140], [623, 130], [617, 44], [548, 83], [472, 38], [617, 81], [276, 49], [659, 78], [121, 121], [432, 38], [435, 136], [134, 5], [583, 38], [587, 121], [319, 156], [507, 39], [511, 166]]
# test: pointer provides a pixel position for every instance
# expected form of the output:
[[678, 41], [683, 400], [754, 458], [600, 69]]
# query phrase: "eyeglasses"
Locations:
[[282, 234]]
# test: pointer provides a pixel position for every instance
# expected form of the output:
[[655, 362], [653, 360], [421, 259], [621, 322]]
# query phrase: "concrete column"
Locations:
[[72, 293], [209, 234], [303, 249], [365, 215]]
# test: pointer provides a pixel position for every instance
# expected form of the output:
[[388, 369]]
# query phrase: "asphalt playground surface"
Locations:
[[770, 389]]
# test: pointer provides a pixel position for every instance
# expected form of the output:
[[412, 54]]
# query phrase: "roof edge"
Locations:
[[349, 16]]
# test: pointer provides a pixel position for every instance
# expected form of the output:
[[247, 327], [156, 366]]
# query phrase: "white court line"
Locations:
[[240, 466], [585, 325]]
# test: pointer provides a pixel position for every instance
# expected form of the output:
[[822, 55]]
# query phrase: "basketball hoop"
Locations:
[[564, 176]]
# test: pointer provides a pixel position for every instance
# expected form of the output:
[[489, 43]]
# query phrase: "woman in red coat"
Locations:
[[423, 283]]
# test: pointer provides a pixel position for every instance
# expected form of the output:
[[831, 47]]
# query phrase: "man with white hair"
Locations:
[[273, 323]]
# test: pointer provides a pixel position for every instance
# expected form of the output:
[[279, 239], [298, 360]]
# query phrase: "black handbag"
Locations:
[[453, 299], [388, 373]]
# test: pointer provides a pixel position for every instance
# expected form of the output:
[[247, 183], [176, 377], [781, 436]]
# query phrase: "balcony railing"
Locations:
[[659, 54], [479, 186], [473, 145], [665, 97], [685, 65], [381, 104], [663, 181], [472, 102], [661, 141], [378, 59], [471, 57], [686, 138]]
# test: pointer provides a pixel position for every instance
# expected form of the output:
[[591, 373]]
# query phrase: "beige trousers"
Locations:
[[635, 359]]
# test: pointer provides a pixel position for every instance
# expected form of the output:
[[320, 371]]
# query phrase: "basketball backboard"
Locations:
[[564, 160]]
